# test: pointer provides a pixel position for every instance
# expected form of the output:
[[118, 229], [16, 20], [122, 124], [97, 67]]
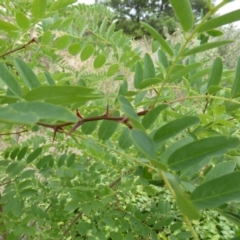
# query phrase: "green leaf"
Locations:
[[44, 161], [28, 192], [184, 13], [190, 154], [61, 42], [17, 208], [199, 74], [159, 38], [10, 81], [215, 33], [152, 115], [89, 127], [22, 20], [62, 160], [107, 128], [22, 153], [49, 79], [206, 46], [149, 82], [235, 92], [216, 74], [39, 8], [129, 111], [103, 27], [74, 48], [14, 153], [174, 127], [7, 26], [61, 4], [40, 110], [184, 204], [138, 76], [11, 167], [9, 115], [47, 37], [71, 206], [27, 74], [143, 144], [220, 21], [220, 170], [181, 73], [51, 92], [124, 140], [99, 61], [162, 58], [87, 51], [71, 159], [217, 191], [32, 156], [112, 70], [148, 67]]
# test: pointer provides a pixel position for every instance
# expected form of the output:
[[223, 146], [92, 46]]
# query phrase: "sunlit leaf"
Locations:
[[216, 75], [99, 61], [184, 13], [39, 8], [206, 46], [138, 77], [220, 21], [7, 26], [236, 83], [148, 67], [61, 42], [181, 73], [27, 74], [150, 82], [159, 38], [87, 51], [113, 69], [22, 20], [10, 81], [60, 4], [74, 48]]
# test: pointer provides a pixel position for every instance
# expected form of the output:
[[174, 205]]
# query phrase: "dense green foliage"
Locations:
[[102, 140], [157, 13]]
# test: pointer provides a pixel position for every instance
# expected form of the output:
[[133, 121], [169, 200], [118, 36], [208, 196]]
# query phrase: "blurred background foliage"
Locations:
[[157, 13]]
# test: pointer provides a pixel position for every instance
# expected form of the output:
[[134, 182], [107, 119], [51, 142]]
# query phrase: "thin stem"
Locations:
[[19, 48], [187, 221], [188, 39]]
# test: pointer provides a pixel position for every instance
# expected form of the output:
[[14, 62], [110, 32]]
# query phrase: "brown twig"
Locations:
[[206, 105], [59, 127], [19, 48], [3, 134], [72, 223], [10, 181]]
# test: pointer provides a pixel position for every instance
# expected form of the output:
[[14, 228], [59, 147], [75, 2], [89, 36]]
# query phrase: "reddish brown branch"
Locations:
[[72, 223], [19, 48], [3, 134], [10, 181], [59, 127]]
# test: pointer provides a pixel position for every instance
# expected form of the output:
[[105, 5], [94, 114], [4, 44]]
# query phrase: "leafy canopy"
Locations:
[[102, 140]]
